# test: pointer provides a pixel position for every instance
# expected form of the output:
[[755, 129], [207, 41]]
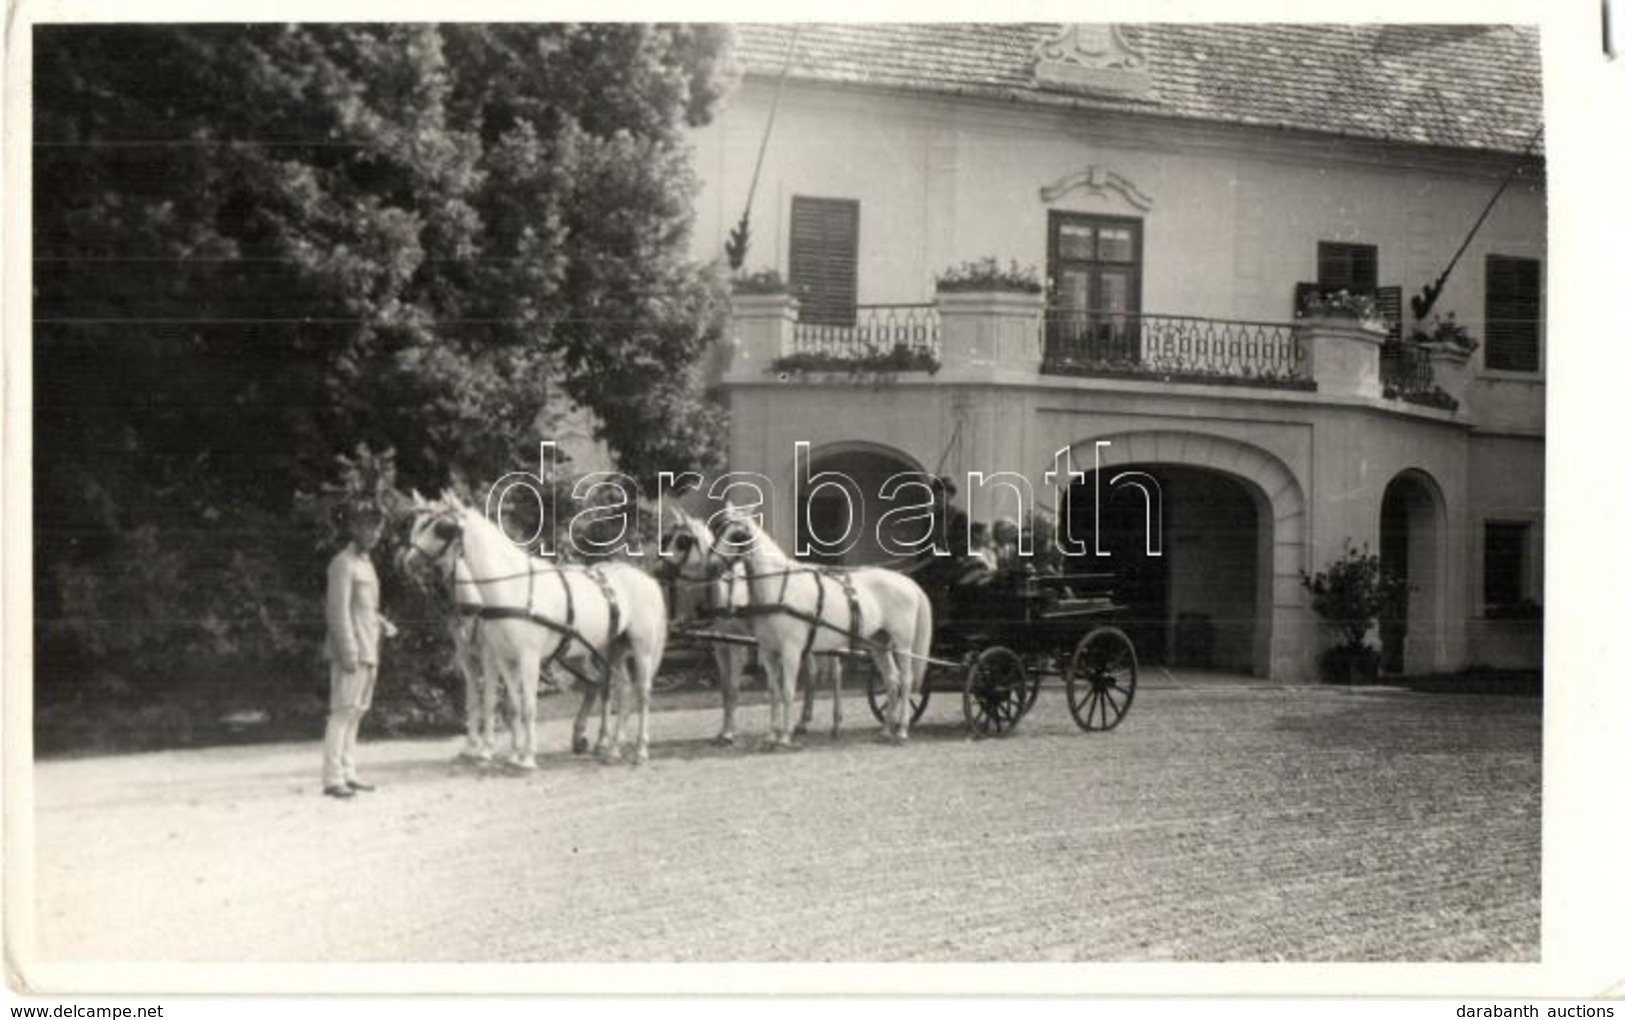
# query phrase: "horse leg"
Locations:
[[790, 663], [578, 730], [837, 671], [640, 678], [525, 711], [811, 667], [728, 680], [904, 674], [895, 700], [609, 742]]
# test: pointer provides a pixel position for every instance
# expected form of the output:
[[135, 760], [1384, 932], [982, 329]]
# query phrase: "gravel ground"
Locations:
[[1220, 822]]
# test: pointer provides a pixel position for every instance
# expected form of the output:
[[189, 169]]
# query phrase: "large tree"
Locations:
[[257, 246]]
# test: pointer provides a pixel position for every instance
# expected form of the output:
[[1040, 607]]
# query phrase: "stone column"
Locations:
[[1343, 356], [986, 332], [1450, 371], [763, 328]]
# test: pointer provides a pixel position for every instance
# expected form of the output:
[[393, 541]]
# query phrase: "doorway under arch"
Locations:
[[827, 514], [1193, 573], [1411, 548]]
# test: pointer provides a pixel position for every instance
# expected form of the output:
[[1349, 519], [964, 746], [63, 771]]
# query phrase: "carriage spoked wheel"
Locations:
[[1100, 684], [877, 691], [997, 691]]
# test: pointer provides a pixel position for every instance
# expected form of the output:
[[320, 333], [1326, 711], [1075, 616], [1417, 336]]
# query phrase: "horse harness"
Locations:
[[815, 619], [569, 634]]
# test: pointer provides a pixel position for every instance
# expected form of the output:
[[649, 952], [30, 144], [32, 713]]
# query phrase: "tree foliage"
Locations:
[[257, 247]]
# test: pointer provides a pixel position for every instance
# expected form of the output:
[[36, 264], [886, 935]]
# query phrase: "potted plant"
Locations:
[[1342, 305], [1352, 593], [763, 281], [1446, 333], [984, 275]]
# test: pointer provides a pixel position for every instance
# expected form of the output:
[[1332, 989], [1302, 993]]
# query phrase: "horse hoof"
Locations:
[[724, 740], [525, 764], [641, 757], [800, 730], [580, 745]]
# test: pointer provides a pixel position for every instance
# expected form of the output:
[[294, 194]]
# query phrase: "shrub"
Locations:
[[1352, 593]]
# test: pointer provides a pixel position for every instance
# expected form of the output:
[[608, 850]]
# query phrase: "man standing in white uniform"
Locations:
[[354, 626]]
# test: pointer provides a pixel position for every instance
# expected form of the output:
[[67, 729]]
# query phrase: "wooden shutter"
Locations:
[[1391, 303], [1350, 267], [1512, 314], [824, 259]]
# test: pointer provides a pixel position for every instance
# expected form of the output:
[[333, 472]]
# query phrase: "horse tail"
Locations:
[[923, 627]]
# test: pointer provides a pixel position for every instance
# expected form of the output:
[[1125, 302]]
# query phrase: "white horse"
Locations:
[[724, 600], [795, 609], [463, 624], [605, 623]]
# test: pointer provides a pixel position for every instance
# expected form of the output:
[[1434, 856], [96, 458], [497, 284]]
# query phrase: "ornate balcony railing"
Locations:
[[875, 331], [1406, 371], [1176, 348]]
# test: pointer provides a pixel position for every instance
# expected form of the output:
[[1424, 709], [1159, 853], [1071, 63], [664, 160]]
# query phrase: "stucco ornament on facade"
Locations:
[[1094, 58], [1098, 180]]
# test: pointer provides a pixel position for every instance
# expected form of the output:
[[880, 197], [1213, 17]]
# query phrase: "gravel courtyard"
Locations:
[[1223, 821]]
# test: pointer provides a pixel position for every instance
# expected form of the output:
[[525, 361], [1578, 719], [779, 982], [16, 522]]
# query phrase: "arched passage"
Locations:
[[1234, 526], [842, 519], [1411, 548]]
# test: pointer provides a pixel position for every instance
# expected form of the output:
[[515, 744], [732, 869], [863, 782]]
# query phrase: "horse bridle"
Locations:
[[447, 530], [683, 540]]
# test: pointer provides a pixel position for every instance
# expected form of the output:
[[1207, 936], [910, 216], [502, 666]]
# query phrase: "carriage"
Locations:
[[1000, 635]]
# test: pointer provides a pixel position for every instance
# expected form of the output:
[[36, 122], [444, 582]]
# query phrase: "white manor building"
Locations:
[[1185, 193]]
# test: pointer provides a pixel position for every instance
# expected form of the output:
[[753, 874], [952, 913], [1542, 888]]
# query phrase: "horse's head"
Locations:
[[432, 537], [738, 535], [688, 549]]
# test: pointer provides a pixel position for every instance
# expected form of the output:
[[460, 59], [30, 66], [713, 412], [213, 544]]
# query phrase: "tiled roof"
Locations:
[[1459, 86]]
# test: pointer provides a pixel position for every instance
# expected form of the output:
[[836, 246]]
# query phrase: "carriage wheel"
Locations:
[[996, 691], [877, 692], [1100, 684], [1037, 668]]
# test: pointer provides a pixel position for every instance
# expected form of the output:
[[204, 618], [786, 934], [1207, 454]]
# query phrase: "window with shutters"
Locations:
[[1340, 265], [1350, 267], [1512, 314], [1506, 567], [824, 259]]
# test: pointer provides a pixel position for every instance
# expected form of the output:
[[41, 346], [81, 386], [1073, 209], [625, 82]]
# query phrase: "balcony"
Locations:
[[1407, 373], [1175, 348], [1009, 338], [896, 336]]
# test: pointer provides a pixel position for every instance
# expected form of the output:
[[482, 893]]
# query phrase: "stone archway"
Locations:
[[1411, 545], [1282, 631], [828, 512]]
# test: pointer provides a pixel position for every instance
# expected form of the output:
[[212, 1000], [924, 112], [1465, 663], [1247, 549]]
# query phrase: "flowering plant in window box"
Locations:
[[1341, 305], [900, 358], [989, 275], [1446, 332], [1433, 397], [763, 281]]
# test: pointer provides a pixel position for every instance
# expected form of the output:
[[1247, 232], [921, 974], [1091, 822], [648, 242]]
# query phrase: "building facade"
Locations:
[[1205, 361]]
